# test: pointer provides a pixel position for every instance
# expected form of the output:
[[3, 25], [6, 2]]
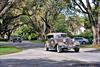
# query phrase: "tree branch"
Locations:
[[3, 3], [5, 10], [7, 7], [46, 22], [9, 18], [79, 6], [83, 5], [88, 4]]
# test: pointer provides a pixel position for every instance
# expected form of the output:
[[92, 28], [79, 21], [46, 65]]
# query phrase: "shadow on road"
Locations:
[[44, 63], [65, 51]]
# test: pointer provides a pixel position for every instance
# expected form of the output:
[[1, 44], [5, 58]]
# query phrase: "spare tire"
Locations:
[[52, 42]]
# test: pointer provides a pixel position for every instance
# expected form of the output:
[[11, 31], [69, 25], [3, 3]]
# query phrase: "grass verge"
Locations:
[[3, 41], [8, 50], [89, 46], [37, 41], [86, 46]]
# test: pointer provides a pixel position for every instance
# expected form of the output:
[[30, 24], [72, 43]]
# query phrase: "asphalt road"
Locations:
[[34, 55]]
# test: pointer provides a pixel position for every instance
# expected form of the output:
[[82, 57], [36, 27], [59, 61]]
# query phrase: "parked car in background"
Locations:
[[16, 39], [81, 40], [59, 41]]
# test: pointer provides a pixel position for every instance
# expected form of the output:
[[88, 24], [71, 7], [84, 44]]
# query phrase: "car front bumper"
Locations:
[[69, 46]]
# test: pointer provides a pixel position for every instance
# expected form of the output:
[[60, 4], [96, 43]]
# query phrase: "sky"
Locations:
[[89, 1]]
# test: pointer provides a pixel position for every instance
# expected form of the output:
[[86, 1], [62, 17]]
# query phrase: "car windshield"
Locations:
[[49, 36], [58, 35]]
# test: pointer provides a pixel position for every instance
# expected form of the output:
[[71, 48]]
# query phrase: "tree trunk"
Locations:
[[9, 34], [96, 34], [95, 25]]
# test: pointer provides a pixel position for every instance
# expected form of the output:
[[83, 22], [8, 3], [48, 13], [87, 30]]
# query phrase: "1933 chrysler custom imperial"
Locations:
[[59, 41]]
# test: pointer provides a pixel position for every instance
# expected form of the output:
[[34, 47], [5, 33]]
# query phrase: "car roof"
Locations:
[[78, 37], [55, 33]]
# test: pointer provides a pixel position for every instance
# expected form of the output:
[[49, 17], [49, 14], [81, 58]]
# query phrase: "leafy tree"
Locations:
[[40, 13], [5, 7], [59, 24], [73, 24], [92, 12], [25, 31]]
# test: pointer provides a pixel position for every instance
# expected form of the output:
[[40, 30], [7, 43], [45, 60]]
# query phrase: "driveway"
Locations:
[[34, 55]]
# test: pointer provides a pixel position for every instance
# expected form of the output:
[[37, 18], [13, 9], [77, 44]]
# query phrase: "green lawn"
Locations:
[[8, 50], [4, 41]]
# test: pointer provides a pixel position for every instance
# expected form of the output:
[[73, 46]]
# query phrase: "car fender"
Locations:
[[76, 43]]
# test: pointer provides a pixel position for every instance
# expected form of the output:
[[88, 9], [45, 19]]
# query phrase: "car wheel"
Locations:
[[13, 41], [20, 41], [46, 48], [83, 42], [76, 49], [59, 49]]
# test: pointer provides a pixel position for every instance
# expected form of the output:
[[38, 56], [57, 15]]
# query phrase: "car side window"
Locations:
[[78, 38], [58, 36]]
